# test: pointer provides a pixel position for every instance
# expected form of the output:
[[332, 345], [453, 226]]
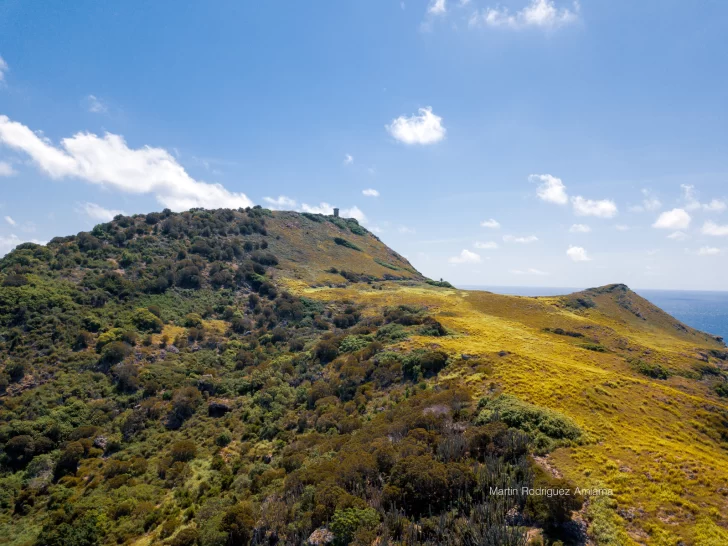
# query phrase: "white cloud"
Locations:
[[282, 202], [673, 219], [96, 105], [650, 203], [491, 224], [709, 251], [621, 227], [711, 228], [370, 192], [678, 236], [407, 230], [716, 205], [4, 69], [521, 240], [11, 241], [692, 201], [551, 189], [109, 162], [348, 159], [466, 257], [538, 14], [579, 228], [425, 128], [437, 7], [97, 212], [603, 208], [10, 221], [577, 254], [488, 245], [529, 271], [6, 169], [325, 208]]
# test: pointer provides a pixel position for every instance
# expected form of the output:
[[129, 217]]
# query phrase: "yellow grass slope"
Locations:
[[660, 444]]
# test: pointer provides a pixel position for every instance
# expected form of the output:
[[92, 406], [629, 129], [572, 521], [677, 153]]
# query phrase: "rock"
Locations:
[[321, 536], [101, 442]]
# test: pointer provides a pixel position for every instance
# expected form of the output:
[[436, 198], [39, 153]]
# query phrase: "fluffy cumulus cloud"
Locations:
[[437, 7], [577, 254], [716, 230], [6, 169], [579, 228], [550, 189], [709, 251], [553, 190], [674, 219], [97, 212], [109, 162], [521, 240], [370, 192], [604, 208], [538, 14], [487, 245], [466, 257], [490, 224], [3, 69], [422, 128]]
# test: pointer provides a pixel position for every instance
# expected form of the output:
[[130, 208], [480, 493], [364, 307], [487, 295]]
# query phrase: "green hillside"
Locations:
[[253, 377]]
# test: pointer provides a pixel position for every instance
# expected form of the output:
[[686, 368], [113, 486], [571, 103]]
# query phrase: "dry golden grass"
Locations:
[[656, 443]]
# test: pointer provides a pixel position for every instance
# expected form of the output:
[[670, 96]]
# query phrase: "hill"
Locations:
[[258, 377]]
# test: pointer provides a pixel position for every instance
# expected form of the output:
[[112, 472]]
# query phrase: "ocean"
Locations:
[[705, 311]]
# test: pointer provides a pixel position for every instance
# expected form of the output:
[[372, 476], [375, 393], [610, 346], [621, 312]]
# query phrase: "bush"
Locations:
[[147, 321], [345, 523], [238, 523], [183, 451], [347, 244], [115, 352]]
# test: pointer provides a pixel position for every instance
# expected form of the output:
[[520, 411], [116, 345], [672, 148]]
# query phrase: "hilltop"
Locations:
[[257, 377]]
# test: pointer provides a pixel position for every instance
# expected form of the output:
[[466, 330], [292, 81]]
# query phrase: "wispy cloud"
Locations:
[[529, 271], [490, 224], [552, 190], [97, 212], [423, 128], [4, 69], [6, 169], [716, 230], [348, 159], [487, 245], [678, 236], [108, 161], [520, 240], [650, 202], [692, 201], [437, 7], [537, 14], [370, 192], [709, 251], [579, 228], [10, 221], [96, 105], [281, 202]]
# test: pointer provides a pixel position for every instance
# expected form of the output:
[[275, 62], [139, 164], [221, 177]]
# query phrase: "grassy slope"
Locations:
[[657, 443]]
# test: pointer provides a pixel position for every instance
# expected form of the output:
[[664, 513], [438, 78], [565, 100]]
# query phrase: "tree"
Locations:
[[238, 522]]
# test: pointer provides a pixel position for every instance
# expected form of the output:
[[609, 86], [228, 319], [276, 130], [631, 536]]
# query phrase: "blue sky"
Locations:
[[593, 134]]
